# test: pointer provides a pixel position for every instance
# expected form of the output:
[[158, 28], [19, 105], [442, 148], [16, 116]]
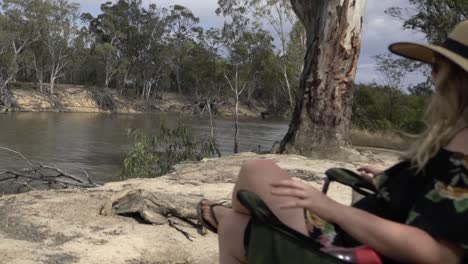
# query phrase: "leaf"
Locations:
[[156, 155], [412, 216], [461, 206], [434, 196]]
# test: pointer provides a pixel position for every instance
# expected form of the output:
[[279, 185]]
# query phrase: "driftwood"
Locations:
[[154, 208], [104, 99], [39, 176]]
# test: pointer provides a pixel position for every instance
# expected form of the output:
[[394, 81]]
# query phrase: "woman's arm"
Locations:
[[397, 241]]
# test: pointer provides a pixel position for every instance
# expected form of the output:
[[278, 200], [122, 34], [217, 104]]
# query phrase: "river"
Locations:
[[97, 142]]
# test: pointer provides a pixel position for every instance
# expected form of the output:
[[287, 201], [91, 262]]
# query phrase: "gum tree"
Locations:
[[320, 126]]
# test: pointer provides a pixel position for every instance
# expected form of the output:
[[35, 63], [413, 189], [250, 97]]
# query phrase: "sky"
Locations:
[[379, 29]]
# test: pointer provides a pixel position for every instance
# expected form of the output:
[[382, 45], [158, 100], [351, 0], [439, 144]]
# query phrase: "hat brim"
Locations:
[[425, 53]]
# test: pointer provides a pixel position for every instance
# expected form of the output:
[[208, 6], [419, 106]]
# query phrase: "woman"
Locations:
[[420, 212]]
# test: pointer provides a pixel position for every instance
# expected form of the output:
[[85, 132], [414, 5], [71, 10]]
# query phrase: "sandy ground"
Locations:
[[65, 226]]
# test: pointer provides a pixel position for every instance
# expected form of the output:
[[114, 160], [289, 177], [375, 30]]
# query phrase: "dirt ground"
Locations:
[[65, 226]]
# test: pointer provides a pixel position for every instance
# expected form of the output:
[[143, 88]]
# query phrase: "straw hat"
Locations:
[[455, 48]]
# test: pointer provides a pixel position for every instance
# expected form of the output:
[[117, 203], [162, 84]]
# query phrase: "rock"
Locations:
[[110, 224]]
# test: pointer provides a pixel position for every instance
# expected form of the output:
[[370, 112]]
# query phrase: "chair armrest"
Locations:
[[348, 178]]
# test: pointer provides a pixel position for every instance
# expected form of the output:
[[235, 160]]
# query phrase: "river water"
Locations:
[[97, 142]]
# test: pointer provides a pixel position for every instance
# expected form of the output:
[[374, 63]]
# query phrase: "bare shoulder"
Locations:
[[460, 142]]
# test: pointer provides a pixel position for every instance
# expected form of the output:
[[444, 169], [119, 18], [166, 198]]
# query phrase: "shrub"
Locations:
[[153, 156]]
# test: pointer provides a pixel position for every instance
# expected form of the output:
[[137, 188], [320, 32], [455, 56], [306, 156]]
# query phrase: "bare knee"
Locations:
[[253, 167]]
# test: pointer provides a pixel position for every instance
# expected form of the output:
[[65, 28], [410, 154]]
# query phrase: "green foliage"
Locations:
[[389, 106], [153, 156], [143, 50], [383, 108], [434, 18]]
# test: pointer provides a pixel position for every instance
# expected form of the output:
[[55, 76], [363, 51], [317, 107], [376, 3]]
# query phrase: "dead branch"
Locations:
[[7, 100], [104, 99], [174, 225], [37, 174]]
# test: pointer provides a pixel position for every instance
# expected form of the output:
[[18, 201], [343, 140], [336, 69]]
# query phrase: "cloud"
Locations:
[[379, 31]]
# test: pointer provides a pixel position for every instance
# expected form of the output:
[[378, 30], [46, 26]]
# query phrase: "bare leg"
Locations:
[[256, 176], [231, 230], [231, 238]]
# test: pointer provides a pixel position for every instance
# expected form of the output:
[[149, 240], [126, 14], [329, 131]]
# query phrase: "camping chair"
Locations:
[[272, 242]]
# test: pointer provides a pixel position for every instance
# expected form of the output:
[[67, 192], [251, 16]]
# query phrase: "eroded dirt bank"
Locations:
[[78, 98]]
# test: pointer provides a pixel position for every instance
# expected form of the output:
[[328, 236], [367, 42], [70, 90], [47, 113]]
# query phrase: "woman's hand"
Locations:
[[304, 196], [369, 172]]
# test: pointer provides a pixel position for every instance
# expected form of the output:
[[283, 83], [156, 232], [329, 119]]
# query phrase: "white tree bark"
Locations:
[[208, 101], [237, 92], [321, 118]]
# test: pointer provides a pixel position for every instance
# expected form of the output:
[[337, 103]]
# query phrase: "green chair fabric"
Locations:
[[272, 242]]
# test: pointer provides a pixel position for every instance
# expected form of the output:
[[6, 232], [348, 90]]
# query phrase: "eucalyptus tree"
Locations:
[[432, 18], [281, 18], [37, 53], [39, 62], [85, 65], [108, 56], [278, 17], [207, 75], [18, 29], [107, 33], [184, 29], [295, 53], [152, 57], [59, 32], [320, 124], [245, 43], [236, 73], [393, 71], [115, 32]]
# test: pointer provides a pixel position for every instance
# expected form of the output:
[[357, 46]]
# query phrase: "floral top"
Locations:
[[434, 200]]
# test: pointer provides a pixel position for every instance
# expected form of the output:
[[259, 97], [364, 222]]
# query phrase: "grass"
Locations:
[[379, 139]]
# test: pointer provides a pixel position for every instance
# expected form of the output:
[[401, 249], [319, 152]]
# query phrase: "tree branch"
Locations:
[[42, 174]]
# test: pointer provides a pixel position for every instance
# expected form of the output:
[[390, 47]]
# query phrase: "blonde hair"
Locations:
[[446, 115]]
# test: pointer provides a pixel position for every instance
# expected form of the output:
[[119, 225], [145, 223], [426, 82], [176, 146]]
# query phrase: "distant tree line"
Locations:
[[381, 108], [144, 50], [390, 105]]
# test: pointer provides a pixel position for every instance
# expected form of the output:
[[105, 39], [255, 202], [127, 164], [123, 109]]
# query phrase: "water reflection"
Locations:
[[98, 142]]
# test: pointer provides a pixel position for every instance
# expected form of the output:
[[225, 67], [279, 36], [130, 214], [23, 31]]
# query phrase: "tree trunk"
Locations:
[[106, 84], [179, 87], [212, 135], [236, 125], [125, 80], [288, 87], [320, 125], [41, 85], [52, 83]]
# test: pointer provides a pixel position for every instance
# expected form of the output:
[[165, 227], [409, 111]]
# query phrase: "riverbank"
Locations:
[[70, 226], [83, 99]]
